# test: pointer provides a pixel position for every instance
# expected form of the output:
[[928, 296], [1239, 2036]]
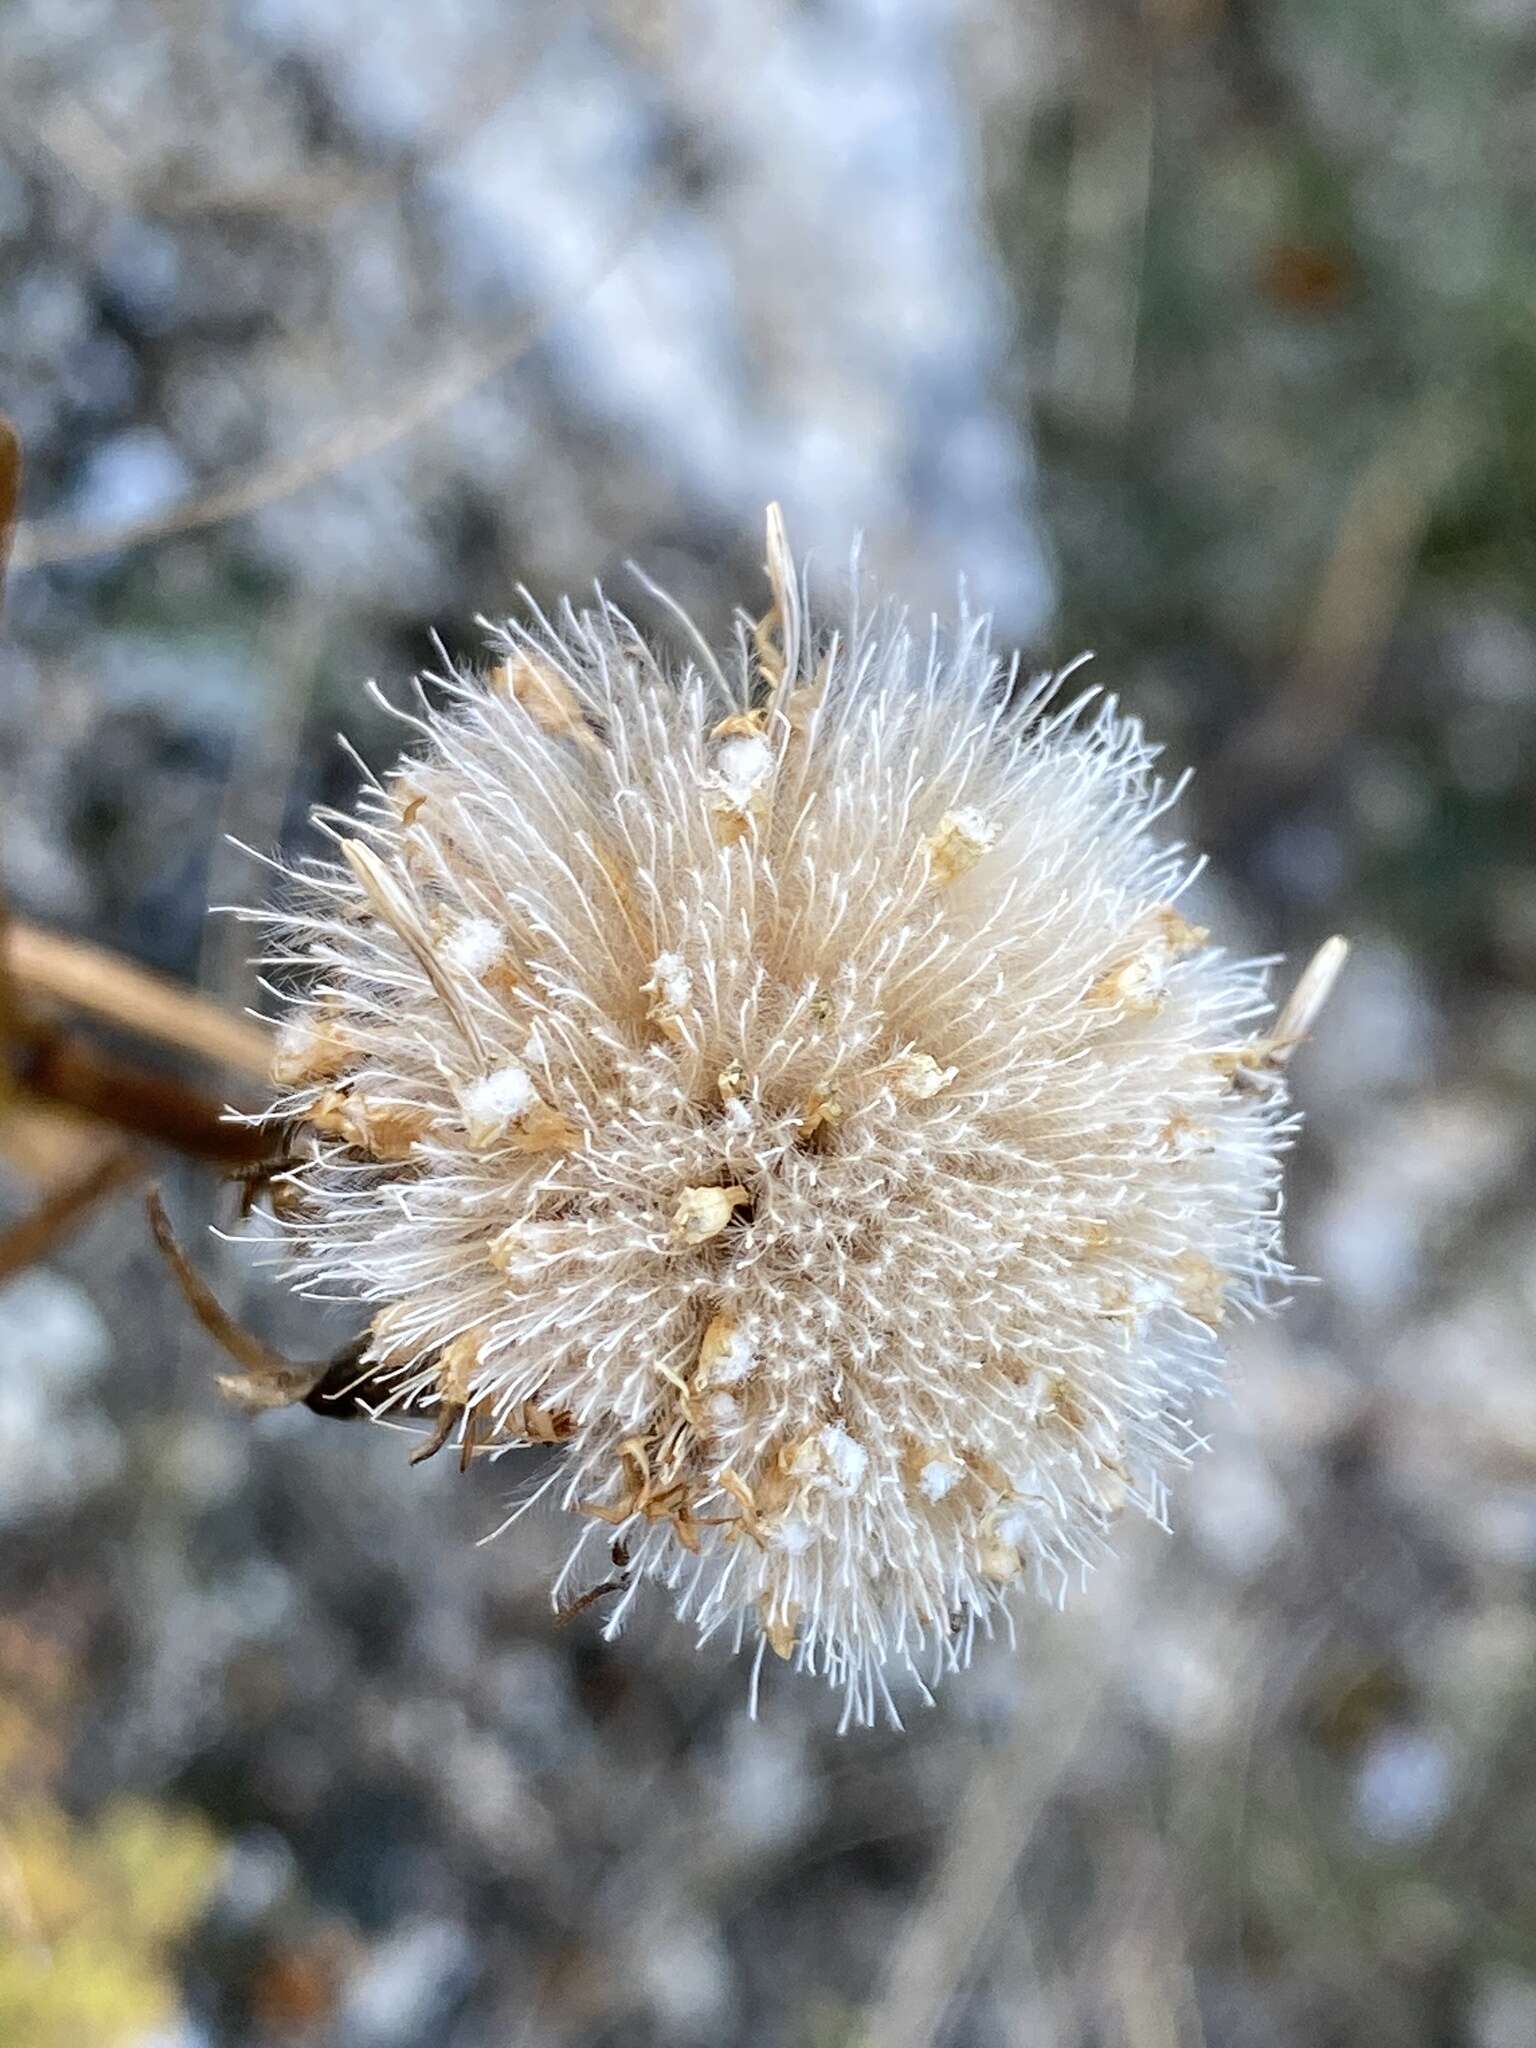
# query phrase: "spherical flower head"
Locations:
[[786, 1086]]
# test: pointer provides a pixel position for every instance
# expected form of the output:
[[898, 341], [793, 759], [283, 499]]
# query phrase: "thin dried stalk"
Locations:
[[267, 1379], [10, 490], [86, 977], [35, 1236], [58, 1068], [419, 399], [1010, 1789]]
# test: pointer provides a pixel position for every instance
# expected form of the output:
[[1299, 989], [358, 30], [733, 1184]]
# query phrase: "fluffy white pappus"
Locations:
[[783, 1084]]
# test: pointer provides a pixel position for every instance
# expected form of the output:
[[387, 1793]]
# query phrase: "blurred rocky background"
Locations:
[[1199, 332]]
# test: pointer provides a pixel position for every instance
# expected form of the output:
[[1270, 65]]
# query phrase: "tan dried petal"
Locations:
[[1137, 982], [999, 1561], [384, 1130], [719, 1346], [456, 1364], [731, 1081], [545, 695], [742, 776], [821, 1110], [1176, 934], [547, 1425], [1135, 985], [384, 1339], [742, 725], [931, 1470], [495, 1104], [1112, 1485], [730, 825], [312, 1048], [1184, 1137], [671, 989], [1236, 1061], [408, 797], [961, 840], [703, 1213], [1065, 1406], [509, 1252], [1202, 1288], [544, 1130], [779, 1625], [800, 706]]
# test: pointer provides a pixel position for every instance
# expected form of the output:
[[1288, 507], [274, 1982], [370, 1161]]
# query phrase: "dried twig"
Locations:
[[10, 498], [36, 1234], [267, 1379], [63, 1069], [56, 1065], [618, 1584], [86, 977], [10, 491]]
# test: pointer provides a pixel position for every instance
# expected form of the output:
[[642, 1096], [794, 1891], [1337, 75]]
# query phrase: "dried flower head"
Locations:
[[788, 1085]]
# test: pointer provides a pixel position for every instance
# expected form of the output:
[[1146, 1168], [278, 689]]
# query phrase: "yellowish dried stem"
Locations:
[[85, 977]]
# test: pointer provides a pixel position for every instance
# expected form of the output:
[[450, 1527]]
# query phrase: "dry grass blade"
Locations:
[[43, 963], [400, 914], [1009, 1791], [267, 1379], [42, 544], [1353, 613]]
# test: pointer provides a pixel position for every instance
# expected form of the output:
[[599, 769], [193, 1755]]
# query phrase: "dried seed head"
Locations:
[[790, 1088]]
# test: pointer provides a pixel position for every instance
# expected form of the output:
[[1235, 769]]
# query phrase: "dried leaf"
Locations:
[[545, 695]]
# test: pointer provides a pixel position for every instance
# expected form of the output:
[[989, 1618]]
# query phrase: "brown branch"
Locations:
[[66, 1070], [43, 963], [10, 491], [36, 1234], [333, 1386], [266, 1379]]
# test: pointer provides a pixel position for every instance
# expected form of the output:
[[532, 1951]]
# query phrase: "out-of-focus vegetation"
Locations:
[[1197, 331], [92, 1912]]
